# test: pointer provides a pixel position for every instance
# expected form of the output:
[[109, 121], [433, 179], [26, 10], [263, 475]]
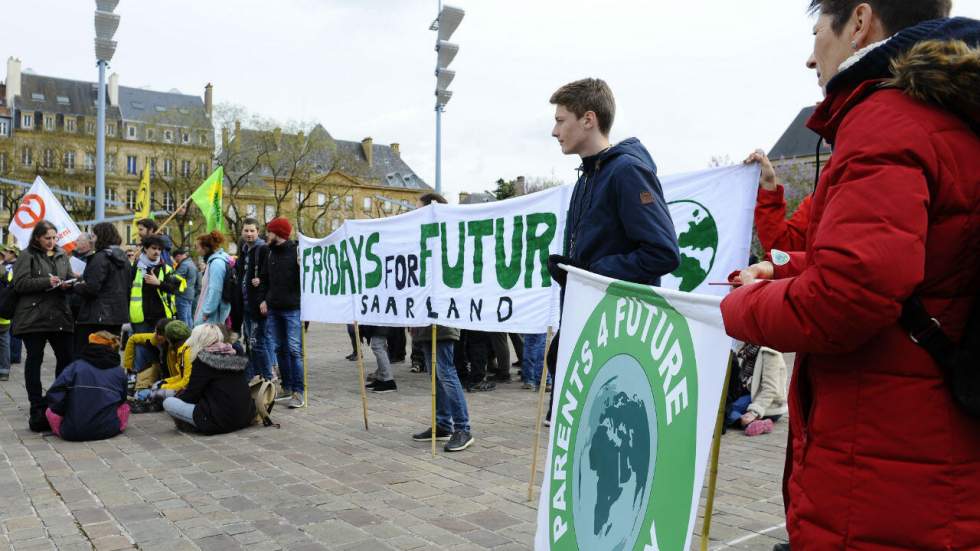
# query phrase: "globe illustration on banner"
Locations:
[[697, 237], [614, 457]]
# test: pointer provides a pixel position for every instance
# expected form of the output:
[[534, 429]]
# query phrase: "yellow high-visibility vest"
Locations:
[[169, 300]]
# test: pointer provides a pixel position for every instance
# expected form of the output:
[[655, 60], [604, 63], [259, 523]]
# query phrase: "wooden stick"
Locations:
[[433, 367], [715, 449], [306, 387], [173, 214], [542, 385], [360, 368]]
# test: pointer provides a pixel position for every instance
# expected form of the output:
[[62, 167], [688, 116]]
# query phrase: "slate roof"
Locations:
[[478, 197], [60, 95], [798, 140], [162, 108], [386, 169]]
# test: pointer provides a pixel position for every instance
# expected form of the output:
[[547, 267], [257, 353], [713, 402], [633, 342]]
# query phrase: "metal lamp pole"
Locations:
[[106, 24], [445, 24]]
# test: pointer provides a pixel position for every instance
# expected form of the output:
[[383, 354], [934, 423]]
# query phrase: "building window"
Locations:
[[89, 161], [185, 169], [168, 201], [3, 163], [47, 160], [270, 212], [321, 226], [69, 160], [349, 202], [90, 194], [153, 167], [299, 197], [149, 134], [110, 163], [251, 210], [110, 194], [387, 206], [204, 139], [130, 164], [90, 127], [321, 199], [110, 130], [366, 204], [70, 125], [131, 199], [27, 156], [335, 223], [185, 137], [4, 128], [168, 167], [49, 122], [27, 121], [202, 169], [168, 135]]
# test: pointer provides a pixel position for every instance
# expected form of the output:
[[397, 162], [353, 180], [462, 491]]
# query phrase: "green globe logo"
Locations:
[[697, 237], [623, 437]]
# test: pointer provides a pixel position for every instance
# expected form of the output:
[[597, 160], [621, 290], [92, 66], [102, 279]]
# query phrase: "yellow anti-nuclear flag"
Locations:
[[142, 209]]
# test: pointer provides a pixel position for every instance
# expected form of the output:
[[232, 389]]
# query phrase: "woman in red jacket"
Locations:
[[771, 225], [880, 457]]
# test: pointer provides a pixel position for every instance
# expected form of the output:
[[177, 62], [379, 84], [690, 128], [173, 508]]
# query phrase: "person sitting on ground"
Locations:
[[217, 399], [382, 379], [88, 399], [761, 390], [147, 368], [179, 362]]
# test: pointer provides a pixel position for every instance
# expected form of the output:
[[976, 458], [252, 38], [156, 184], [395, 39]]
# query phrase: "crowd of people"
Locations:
[[174, 321]]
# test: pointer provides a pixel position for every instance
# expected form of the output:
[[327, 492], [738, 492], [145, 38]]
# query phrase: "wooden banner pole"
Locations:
[[360, 368], [542, 385], [713, 472]]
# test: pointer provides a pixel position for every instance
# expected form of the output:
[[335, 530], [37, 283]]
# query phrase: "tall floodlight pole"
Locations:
[[445, 24], [106, 24]]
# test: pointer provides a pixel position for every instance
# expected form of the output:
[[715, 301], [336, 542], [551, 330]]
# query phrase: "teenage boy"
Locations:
[[252, 286]]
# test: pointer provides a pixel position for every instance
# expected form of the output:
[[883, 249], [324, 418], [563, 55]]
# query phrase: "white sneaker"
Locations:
[[297, 401]]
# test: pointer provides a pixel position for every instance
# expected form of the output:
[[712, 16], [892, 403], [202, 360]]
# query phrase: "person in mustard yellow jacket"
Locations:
[[149, 373]]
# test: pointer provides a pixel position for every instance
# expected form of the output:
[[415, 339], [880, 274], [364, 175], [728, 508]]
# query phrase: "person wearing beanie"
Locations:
[[88, 399], [281, 308], [178, 362]]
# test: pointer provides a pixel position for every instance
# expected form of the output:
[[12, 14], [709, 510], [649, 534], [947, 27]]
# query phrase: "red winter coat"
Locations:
[[880, 456], [774, 230]]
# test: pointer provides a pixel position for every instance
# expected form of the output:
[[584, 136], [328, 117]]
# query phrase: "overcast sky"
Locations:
[[692, 79]]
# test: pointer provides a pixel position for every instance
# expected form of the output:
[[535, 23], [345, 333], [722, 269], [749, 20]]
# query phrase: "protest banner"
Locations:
[[40, 204], [640, 375]]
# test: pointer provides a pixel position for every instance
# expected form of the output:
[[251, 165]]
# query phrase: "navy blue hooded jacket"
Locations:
[[87, 394], [618, 224]]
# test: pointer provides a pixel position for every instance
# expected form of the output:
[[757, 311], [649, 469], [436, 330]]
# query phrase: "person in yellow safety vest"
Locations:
[[155, 286], [6, 280]]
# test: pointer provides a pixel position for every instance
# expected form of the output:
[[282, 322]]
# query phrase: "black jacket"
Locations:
[[104, 289], [251, 264], [220, 391], [283, 275], [88, 393], [618, 223], [41, 308], [152, 305]]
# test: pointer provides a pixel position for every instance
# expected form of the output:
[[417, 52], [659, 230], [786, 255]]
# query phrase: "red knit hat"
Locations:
[[280, 226]]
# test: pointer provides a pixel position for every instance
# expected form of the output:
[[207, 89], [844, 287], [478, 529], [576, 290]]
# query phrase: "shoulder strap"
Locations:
[[926, 331]]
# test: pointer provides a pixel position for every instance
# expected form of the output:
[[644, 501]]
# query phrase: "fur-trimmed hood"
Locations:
[[944, 73], [223, 362]]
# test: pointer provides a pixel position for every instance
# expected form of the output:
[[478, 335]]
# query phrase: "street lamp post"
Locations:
[[106, 24], [445, 24]]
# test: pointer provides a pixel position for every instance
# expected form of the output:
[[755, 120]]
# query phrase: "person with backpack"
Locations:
[[88, 400], [104, 287], [881, 453], [214, 304], [250, 292], [42, 316], [217, 399], [186, 269], [282, 307]]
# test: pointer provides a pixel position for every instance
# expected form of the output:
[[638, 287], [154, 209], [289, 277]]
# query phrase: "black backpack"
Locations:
[[229, 284], [960, 362]]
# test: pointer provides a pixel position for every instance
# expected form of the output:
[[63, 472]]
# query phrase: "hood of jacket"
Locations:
[[100, 356], [629, 146], [220, 253], [116, 256], [245, 247], [223, 362], [942, 72]]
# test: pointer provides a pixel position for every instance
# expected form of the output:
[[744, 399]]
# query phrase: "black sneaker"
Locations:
[[184, 426], [371, 385], [352, 357], [426, 435], [381, 387], [460, 440], [38, 422], [780, 547], [4, 376]]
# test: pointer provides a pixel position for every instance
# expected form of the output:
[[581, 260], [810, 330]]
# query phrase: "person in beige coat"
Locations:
[[763, 377]]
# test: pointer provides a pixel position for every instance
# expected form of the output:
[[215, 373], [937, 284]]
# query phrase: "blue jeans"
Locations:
[[259, 360], [283, 331], [5, 351], [145, 355], [16, 348], [451, 412], [179, 409], [185, 310], [533, 362]]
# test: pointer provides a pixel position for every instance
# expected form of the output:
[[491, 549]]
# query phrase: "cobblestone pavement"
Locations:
[[321, 481]]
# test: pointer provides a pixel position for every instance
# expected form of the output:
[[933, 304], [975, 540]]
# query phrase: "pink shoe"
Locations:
[[759, 426]]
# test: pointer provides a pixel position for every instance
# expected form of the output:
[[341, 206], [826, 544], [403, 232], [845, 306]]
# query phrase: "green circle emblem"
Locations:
[[624, 428], [697, 237]]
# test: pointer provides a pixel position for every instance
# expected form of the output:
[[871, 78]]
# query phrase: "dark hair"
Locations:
[[895, 15], [148, 223], [154, 241], [106, 235], [179, 251], [211, 241], [161, 327], [250, 222], [588, 94], [433, 197], [40, 229]]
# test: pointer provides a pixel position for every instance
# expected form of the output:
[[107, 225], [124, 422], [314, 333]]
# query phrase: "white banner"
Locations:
[[484, 266], [639, 379], [40, 204]]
